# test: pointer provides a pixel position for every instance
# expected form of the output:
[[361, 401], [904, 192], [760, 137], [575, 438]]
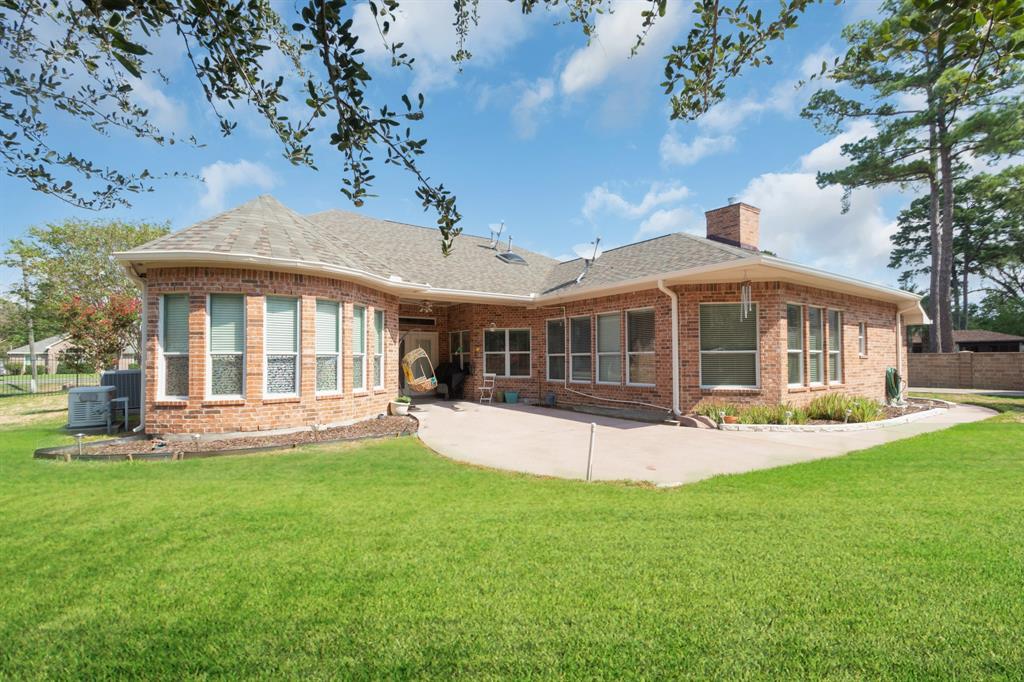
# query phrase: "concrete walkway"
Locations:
[[549, 442]]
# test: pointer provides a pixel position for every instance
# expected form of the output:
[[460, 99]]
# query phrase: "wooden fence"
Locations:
[[992, 371]]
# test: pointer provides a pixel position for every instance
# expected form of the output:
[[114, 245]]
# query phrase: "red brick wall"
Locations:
[[254, 412], [992, 371]]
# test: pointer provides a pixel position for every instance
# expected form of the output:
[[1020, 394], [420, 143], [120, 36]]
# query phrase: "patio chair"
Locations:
[[487, 387]]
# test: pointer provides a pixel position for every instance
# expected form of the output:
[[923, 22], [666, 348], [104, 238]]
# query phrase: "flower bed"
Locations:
[[831, 409]]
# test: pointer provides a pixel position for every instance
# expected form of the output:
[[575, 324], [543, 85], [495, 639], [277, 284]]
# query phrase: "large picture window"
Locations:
[[328, 347], [835, 347], [609, 348], [640, 363], [816, 341], [556, 350], [359, 348], [378, 349], [174, 346], [227, 345], [580, 350], [458, 348], [795, 344], [281, 346], [507, 352], [728, 346]]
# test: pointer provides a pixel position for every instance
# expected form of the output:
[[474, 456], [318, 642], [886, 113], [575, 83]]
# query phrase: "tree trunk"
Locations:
[[963, 292], [34, 385], [946, 243], [933, 290]]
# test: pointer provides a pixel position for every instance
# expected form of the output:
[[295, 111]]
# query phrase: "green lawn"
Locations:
[[385, 560]]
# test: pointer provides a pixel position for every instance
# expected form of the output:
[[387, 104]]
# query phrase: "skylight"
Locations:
[[510, 257]]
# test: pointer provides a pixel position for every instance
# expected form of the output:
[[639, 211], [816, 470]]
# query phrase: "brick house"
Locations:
[[48, 355], [262, 318]]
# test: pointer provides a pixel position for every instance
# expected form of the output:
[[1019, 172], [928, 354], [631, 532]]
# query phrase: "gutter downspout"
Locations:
[[142, 359], [675, 344]]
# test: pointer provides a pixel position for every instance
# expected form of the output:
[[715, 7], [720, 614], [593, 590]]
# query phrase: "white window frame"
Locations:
[[378, 347], [507, 352], [297, 353], [162, 377], [366, 327], [339, 356], [596, 369], [802, 350], [820, 353], [467, 353], [628, 353], [828, 348], [568, 335], [208, 392], [862, 339], [756, 351], [563, 355]]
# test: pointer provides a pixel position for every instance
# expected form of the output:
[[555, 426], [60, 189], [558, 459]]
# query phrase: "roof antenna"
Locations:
[[509, 250], [587, 259], [496, 230]]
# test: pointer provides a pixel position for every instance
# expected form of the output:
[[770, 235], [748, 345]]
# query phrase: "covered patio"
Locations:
[[554, 442]]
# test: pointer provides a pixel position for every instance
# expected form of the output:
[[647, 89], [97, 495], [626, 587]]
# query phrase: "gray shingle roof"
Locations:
[[41, 345], [265, 227]]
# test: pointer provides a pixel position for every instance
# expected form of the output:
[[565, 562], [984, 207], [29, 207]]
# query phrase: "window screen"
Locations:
[[640, 346], [227, 344], [795, 344], [728, 345]]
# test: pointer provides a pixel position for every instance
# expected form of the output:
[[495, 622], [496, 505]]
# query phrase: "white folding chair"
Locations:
[[487, 388]]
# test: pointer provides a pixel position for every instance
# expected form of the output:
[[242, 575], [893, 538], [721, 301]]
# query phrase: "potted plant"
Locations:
[[400, 405]]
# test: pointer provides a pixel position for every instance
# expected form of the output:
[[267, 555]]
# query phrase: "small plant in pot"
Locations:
[[400, 405]]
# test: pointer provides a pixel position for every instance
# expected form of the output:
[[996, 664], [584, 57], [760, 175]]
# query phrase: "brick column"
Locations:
[[254, 307], [196, 349], [307, 349]]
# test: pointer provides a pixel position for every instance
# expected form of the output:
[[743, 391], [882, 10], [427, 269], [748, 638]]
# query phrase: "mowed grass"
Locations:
[[387, 561]]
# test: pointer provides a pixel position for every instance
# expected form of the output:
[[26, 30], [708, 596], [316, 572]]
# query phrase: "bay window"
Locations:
[[816, 339], [579, 349], [174, 346], [609, 348], [835, 347], [359, 348], [328, 347], [640, 365], [281, 346], [795, 344], [728, 346], [556, 349], [507, 352], [226, 355]]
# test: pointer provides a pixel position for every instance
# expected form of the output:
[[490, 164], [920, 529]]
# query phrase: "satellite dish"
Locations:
[[590, 251], [496, 230]]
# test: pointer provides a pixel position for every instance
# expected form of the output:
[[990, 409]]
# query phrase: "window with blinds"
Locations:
[[556, 350], [835, 347], [458, 348], [728, 346], [816, 341], [609, 348], [795, 344], [281, 346], [640, 361], [174, 346], [507, 352], [328, 347], [580, 349], [359, 348], [378, 349], [862, 338], [227, 345]]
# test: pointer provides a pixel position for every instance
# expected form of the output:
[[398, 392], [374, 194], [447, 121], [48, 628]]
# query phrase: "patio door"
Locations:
[[412, 340]]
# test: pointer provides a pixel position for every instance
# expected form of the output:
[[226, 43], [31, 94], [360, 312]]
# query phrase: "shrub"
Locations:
[[713, 408], [782, 413], [866, 410], [838, 407], [403, 399]]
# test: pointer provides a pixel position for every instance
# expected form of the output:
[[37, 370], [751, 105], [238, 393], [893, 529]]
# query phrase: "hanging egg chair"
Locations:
[[419, 373]]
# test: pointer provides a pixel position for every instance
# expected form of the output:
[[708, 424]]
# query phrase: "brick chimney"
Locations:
[[737, 224]]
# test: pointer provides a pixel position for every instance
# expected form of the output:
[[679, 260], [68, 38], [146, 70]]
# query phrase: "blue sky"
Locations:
[[562, 140]]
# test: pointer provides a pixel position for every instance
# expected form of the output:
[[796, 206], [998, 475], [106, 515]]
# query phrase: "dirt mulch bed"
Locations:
[[370, 428]]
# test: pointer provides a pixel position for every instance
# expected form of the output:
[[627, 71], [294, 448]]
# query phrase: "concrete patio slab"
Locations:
[[550, 442]]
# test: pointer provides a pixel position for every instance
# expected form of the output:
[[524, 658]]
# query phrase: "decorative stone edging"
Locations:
[[861, 426], [70, 452]]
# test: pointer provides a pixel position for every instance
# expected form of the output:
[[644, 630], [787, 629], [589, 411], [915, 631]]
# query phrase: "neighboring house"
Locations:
[[48, 352], [978, 341], [262, 318]]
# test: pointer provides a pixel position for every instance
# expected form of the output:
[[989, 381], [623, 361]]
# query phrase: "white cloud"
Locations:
[[676, 152], [829, 156], [429, 37], [531, 105], [166, 113], [222, 177], [664, 221], [602, 200]]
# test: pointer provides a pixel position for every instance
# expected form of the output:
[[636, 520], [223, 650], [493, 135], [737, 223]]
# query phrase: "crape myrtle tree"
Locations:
[[941, 84], [988, 240], [83, 59]]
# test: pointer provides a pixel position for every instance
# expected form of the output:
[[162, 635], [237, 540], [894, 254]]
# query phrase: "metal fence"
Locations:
[[21, 384]]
